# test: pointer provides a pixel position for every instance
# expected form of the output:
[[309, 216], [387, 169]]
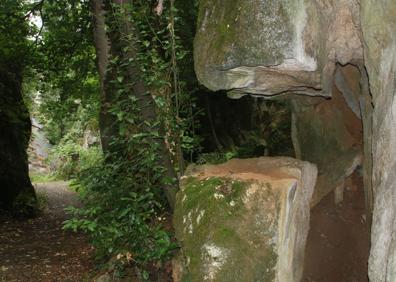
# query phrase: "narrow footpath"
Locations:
[[38, 249]]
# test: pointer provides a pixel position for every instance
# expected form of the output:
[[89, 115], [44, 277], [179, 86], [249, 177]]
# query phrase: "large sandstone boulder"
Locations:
[[273, 47], [245, 220]]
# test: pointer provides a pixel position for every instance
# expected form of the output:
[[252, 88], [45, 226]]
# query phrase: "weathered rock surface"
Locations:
[[329, 134], [289, 47], [16, 191], [273, 47], [245, 220], [379, 32]]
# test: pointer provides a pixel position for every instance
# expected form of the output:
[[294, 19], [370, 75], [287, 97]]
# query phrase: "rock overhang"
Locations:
[[255, 47], [270, 48]]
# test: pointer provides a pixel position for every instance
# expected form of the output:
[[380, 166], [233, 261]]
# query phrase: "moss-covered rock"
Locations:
[[227, 23], [272, 47], [245, 220], [245, 45]]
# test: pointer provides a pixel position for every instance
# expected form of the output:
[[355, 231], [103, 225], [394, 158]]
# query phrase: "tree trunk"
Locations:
[[106, 120], [147, 107], [111, 44]]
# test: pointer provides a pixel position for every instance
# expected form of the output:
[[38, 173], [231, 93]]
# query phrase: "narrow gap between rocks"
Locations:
[[338, 242]]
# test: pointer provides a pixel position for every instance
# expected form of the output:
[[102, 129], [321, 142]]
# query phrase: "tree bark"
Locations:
[[102, 46], [111, 45]]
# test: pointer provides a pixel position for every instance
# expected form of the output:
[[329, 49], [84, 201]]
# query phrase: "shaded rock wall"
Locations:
[[379, 27], [329, 134], [16, 191]]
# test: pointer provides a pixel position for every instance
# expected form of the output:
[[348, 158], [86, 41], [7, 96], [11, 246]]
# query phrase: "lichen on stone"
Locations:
[[248, 32], [215, 237], [214, 258]]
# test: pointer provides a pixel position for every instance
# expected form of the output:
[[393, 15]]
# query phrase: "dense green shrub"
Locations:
[[122, 213], [70, 158]]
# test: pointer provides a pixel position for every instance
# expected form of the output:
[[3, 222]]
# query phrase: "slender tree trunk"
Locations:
[[147, 105], [113, 44], [102, 46]]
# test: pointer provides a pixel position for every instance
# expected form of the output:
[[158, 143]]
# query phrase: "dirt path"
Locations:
[[338, 242], [38, 249]]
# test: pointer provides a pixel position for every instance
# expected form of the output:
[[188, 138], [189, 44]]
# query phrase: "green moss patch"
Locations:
[[243, 32], [211, 214]]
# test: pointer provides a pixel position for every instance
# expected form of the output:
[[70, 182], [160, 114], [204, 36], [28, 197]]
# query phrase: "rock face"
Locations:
[[230, 53], [329, 134], [275, 47], [301, 48], [38, 151], [16, 191], [379, 26], [296, 49], [245, 220]]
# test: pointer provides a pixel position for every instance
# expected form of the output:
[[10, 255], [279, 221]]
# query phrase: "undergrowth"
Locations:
[[122, 216], [37, 177]]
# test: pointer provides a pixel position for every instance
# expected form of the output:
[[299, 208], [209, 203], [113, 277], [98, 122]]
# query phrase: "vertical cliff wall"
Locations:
[[378, 27], [16, 191]]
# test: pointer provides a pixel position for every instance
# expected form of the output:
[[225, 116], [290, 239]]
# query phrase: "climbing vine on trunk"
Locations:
[[144, 130]]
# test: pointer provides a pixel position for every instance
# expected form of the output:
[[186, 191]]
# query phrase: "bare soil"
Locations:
[[38, 249], [338, 241]]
